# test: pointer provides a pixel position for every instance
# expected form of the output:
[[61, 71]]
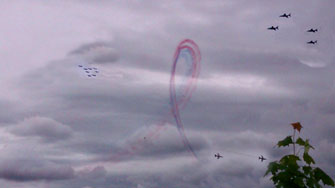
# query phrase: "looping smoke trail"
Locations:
[[191, 53], [188, 50]]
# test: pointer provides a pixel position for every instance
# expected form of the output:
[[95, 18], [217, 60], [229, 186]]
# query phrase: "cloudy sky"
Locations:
[[62, 129]]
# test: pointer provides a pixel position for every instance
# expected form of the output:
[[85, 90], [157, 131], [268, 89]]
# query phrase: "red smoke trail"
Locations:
[[189, 48]]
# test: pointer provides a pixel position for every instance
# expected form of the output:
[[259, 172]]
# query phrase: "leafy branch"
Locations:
[[293, 172]]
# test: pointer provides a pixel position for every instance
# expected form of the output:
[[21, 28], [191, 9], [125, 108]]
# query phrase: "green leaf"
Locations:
[[307, 169], [321, 175], [287, 141], [311, 182], [307, 146], [272, 167], [299, 181], [283, 177], [289, 159], [291, 172], [308, 159], [300, 142]]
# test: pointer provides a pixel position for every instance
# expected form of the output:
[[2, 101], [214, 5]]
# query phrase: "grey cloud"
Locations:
[[165, 143], [326, 104], [210, 174], [324, 155], [269, 79], [42, 127], [32, 170], [7, 111], [97, 53], [96, 172]]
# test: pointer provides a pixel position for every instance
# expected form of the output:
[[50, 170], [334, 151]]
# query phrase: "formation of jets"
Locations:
[[312, 31], [90, 71], [285, 15], [218, 156]]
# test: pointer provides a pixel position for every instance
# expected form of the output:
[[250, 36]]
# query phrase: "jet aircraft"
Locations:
[[273, 28], [261, 158], [312, 42], [218, 156], [312, 30], [285, 15]]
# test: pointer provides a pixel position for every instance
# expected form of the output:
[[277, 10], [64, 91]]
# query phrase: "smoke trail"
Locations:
[[188, 50]]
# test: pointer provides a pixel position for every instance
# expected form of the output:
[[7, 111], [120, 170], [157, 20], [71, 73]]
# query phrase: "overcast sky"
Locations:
[[61, 129]]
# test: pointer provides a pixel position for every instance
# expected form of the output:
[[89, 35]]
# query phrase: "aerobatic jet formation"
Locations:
[[273, 28], [285, 15], [312, 30], [90, 71], [312, 42]]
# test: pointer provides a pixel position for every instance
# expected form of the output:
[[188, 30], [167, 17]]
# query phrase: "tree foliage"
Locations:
[[291, 171]]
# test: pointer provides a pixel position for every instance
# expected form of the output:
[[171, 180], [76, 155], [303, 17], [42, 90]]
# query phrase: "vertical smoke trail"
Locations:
[[188, 50]]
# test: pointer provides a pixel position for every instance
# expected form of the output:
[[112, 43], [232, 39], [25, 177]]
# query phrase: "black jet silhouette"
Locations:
[[94, 75], [312, 42], [285, 15], [218, 156], [89, 75], [85, 69], [273, 28], [312, 30], [80, 66], [261, 158]]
